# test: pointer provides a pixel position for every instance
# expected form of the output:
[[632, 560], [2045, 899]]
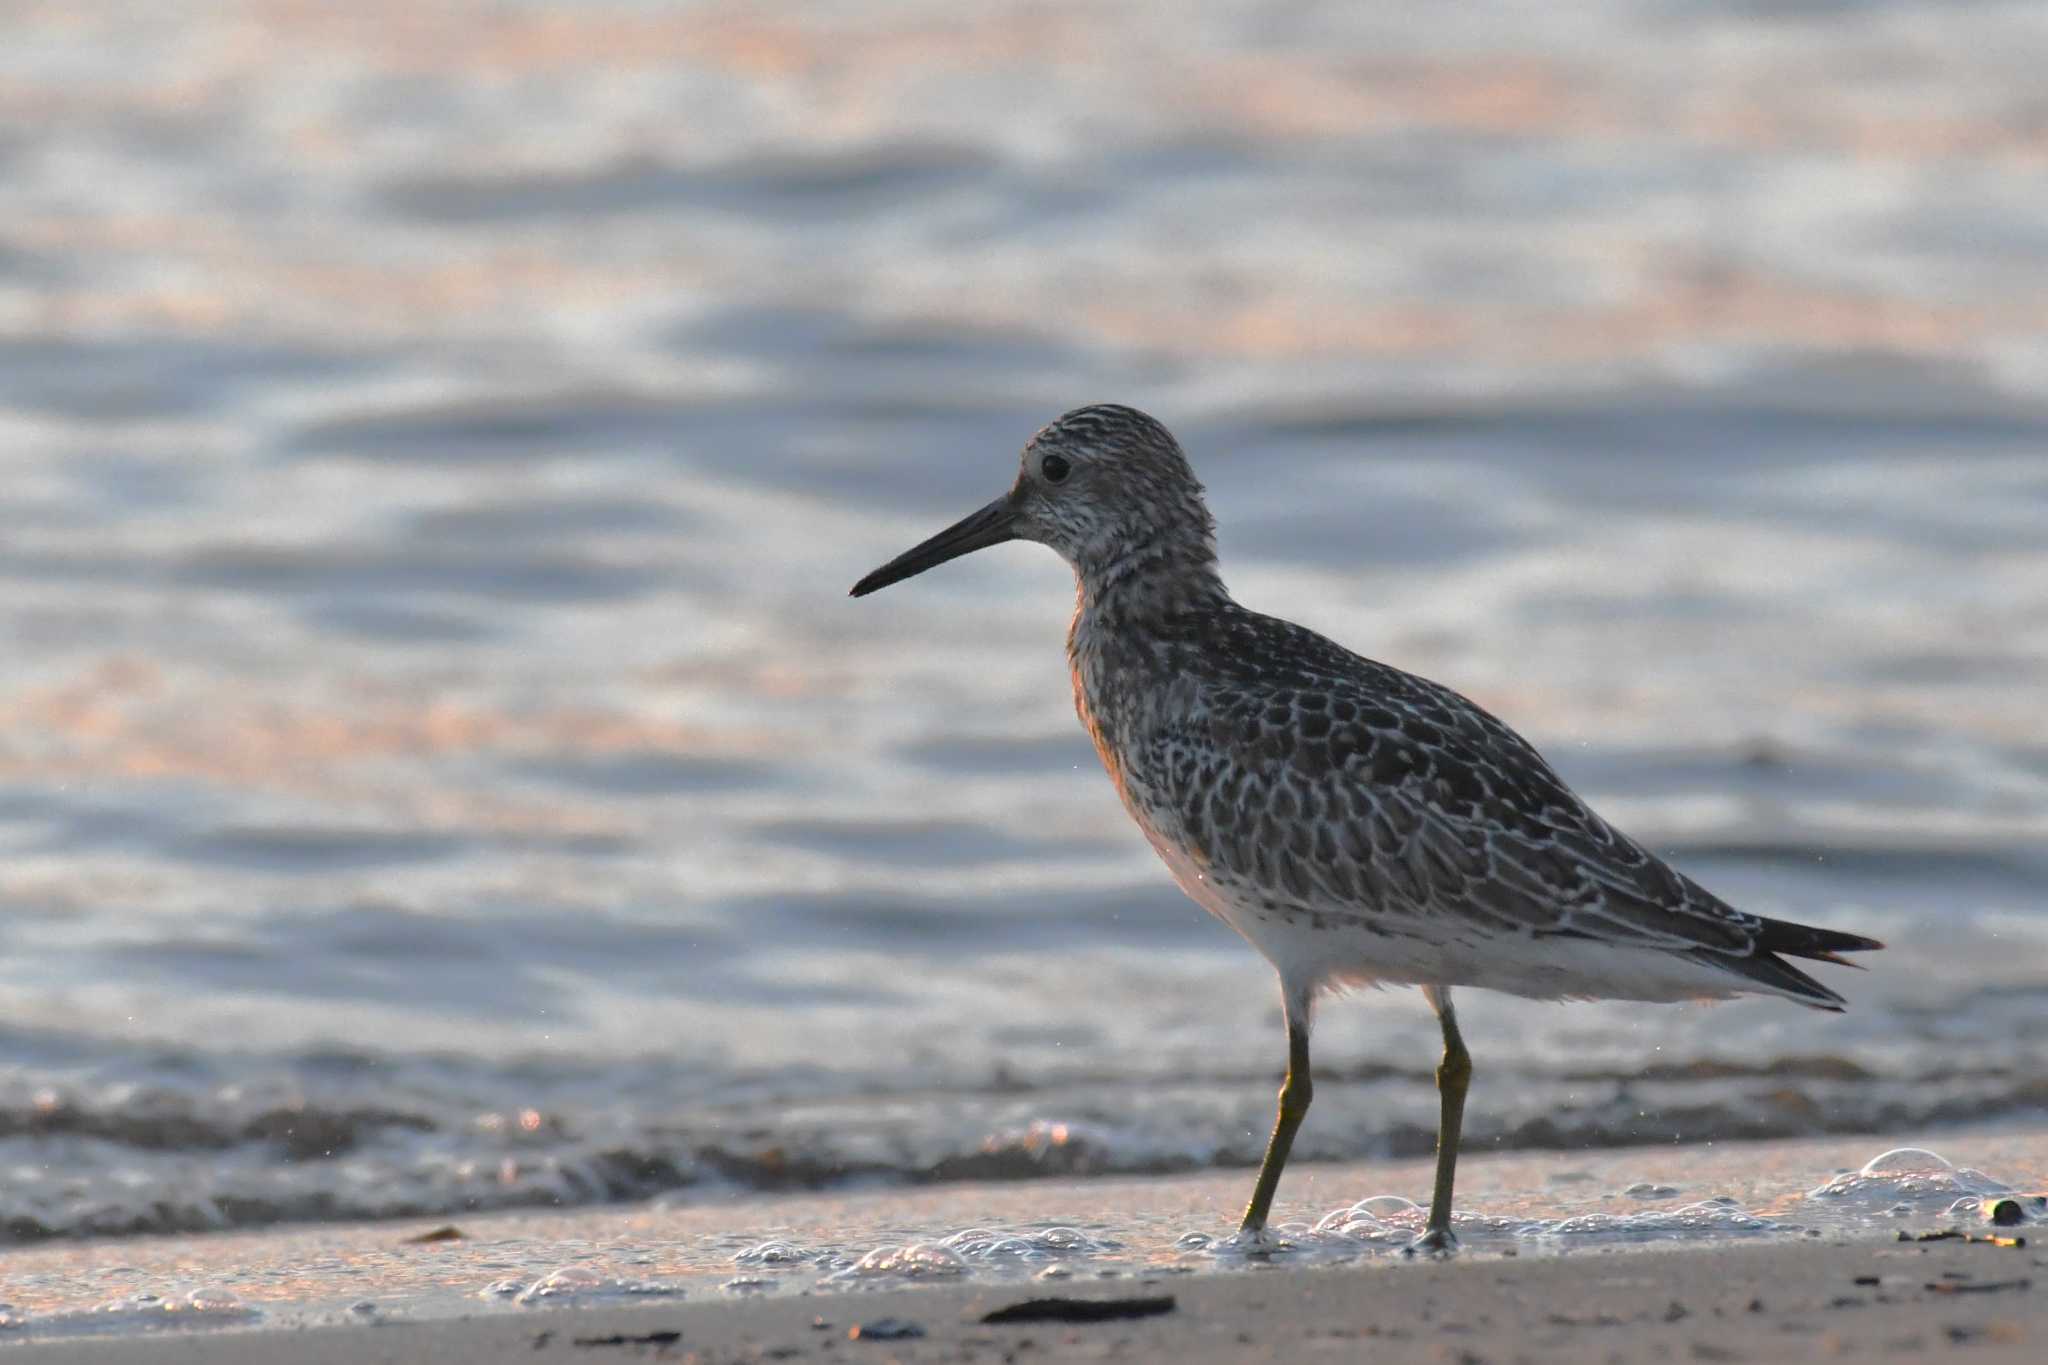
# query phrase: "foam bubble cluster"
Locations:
[[774, 1253], [1389, 1221], [981, 1244], [949, 1257], [921, 1261], [1910, 1176], [1376, 1225], [576, 1284], [141, 1312]]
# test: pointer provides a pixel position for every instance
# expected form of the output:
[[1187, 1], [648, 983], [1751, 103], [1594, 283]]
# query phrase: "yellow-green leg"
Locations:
[[1295, 1094], [1453, 1078]]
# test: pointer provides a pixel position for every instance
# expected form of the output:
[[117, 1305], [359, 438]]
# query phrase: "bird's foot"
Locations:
[[1437, 1242], [1253, 1241]]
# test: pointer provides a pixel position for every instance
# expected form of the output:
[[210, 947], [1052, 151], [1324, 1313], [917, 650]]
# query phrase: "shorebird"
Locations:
[[1356, 824]]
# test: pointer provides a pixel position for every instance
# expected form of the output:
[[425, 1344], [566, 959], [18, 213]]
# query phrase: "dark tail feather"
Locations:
[[1795, 940], [1803, 940]]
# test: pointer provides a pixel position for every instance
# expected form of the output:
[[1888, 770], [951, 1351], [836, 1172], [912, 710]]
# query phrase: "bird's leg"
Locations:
[[1453, 1076], [1295, 1094]]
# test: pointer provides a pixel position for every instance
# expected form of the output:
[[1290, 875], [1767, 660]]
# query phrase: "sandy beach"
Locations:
[[1861, 1301], [1625, 1254]]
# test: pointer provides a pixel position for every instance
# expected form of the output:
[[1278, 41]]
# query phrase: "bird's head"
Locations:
[[1106, 486]]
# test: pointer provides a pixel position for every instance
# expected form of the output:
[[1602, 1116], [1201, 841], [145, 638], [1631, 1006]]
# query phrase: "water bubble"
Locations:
[[1911, 1174], [1388, 1206], [570, 1279], [1011, 1248], [986, 1244], [923, 1261], [1384, 1218], [1907, 1161], [1065, 1239], [968, 1237], [579, 1281], [773, 1253], [1644, 1189]]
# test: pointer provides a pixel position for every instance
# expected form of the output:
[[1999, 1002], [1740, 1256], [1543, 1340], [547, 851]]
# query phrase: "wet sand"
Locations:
[[1899, 1301], [1570, 1255]]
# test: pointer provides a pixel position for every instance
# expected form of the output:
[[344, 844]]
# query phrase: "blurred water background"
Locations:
[[439, 767]]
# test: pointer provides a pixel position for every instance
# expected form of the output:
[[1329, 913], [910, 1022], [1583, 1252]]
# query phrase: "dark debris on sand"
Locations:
[[1081, 1310], [885, 1329], [643, 1339], [1957, 1235]]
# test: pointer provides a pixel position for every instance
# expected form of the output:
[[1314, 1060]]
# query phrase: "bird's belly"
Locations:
[[1190, 872], [1188, 862], [1345, 945], [1301, 944]]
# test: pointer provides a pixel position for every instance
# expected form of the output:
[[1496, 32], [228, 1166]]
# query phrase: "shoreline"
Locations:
[[1899, 1301], [1681, 1219]]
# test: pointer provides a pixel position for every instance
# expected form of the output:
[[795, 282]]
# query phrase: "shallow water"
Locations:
[[439, 768]]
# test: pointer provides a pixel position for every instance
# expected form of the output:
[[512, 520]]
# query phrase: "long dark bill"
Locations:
[[992, 525]]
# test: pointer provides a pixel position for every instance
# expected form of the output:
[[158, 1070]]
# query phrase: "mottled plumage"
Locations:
[[1317, 788], [1353, 822]]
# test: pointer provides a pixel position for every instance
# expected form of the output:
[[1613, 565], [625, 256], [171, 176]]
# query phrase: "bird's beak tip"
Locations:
[[992, 525]]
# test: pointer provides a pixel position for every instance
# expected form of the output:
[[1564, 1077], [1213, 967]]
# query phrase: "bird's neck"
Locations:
[[1130, 620], [1150, 582]]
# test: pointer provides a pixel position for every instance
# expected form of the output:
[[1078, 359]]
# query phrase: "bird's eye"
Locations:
[[1055, 468]]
